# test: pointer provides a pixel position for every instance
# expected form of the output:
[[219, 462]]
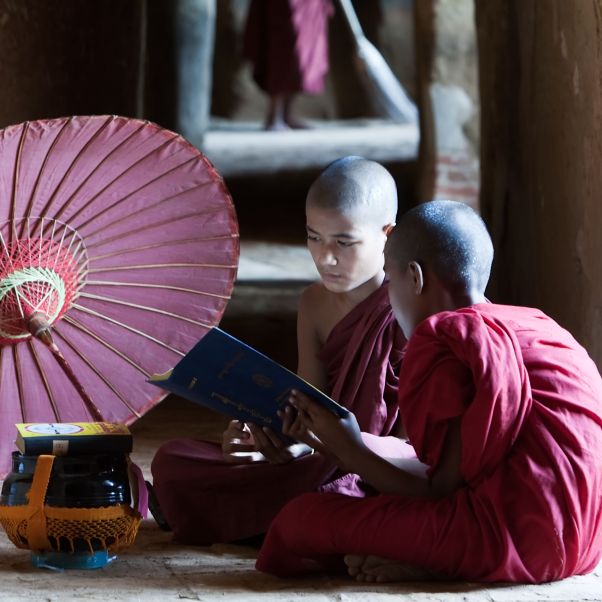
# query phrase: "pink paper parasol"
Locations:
[[118, 251]]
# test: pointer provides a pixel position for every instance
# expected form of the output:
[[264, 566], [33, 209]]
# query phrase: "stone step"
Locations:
[[265, 297], [240, 148]]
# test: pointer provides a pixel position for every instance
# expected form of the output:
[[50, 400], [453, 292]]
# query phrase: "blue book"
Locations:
[[227, 375]]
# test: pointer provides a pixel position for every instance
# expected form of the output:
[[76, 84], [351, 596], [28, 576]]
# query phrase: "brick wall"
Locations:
[[457, 177]]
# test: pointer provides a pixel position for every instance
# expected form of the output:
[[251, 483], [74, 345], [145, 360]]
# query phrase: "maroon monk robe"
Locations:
[[208, 500], [287, 42], [530, 403]]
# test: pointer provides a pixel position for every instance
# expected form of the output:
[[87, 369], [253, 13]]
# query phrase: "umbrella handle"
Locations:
[[352, 20], [90, 405], [39, 327]]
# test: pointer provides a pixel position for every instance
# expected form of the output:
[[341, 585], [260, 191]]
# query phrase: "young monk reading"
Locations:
[[504, 410], [349, 345]]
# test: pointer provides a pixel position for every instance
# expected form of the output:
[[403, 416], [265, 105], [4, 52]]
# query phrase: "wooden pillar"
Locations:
[[69, 57], [180, 40], [424, 39], [541, 151]]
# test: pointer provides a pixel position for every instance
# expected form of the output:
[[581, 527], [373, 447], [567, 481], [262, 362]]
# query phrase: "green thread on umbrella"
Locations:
[[43, 265], [40, 285]]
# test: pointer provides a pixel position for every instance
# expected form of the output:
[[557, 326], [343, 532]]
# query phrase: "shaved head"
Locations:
[[356, 187], [449, 238]]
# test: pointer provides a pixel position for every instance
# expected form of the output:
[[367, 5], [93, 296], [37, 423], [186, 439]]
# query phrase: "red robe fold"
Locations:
[[207, 500], [287, 41], [530, 403]]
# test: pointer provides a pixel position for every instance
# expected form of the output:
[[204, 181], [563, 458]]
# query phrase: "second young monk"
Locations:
[[504, 410], [349, 345]]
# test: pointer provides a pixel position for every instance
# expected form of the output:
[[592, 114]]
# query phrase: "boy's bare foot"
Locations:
[[374, 569], [276, 125], [282, 124], [296, 124]]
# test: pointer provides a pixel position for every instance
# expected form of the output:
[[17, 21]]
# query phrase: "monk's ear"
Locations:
[[388, 229], [417, 276]]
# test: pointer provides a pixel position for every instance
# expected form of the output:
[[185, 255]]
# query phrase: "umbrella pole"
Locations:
[[39, 327]]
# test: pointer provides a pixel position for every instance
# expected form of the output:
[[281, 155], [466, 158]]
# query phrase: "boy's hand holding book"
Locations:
[[336, 436], [273, 448], [245, 443], [295, 428], [238, 446]]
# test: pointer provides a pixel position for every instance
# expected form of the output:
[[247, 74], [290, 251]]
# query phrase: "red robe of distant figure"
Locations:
[[287, 42]]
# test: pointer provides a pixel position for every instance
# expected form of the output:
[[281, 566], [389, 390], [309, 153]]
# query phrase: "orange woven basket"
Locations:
[[42, 528]]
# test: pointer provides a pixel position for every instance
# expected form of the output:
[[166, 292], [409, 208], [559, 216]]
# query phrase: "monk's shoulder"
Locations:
[[318, 310], [311, 302], [314, 295], [455, 324], [476, 323]]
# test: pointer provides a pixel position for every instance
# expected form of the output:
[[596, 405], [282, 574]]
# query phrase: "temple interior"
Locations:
[[509, 96]]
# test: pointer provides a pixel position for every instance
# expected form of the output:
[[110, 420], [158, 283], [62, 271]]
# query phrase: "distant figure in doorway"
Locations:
[[287, 42]]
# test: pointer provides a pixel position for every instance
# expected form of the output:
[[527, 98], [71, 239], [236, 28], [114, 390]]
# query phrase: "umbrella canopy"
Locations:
[[118, 251]]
